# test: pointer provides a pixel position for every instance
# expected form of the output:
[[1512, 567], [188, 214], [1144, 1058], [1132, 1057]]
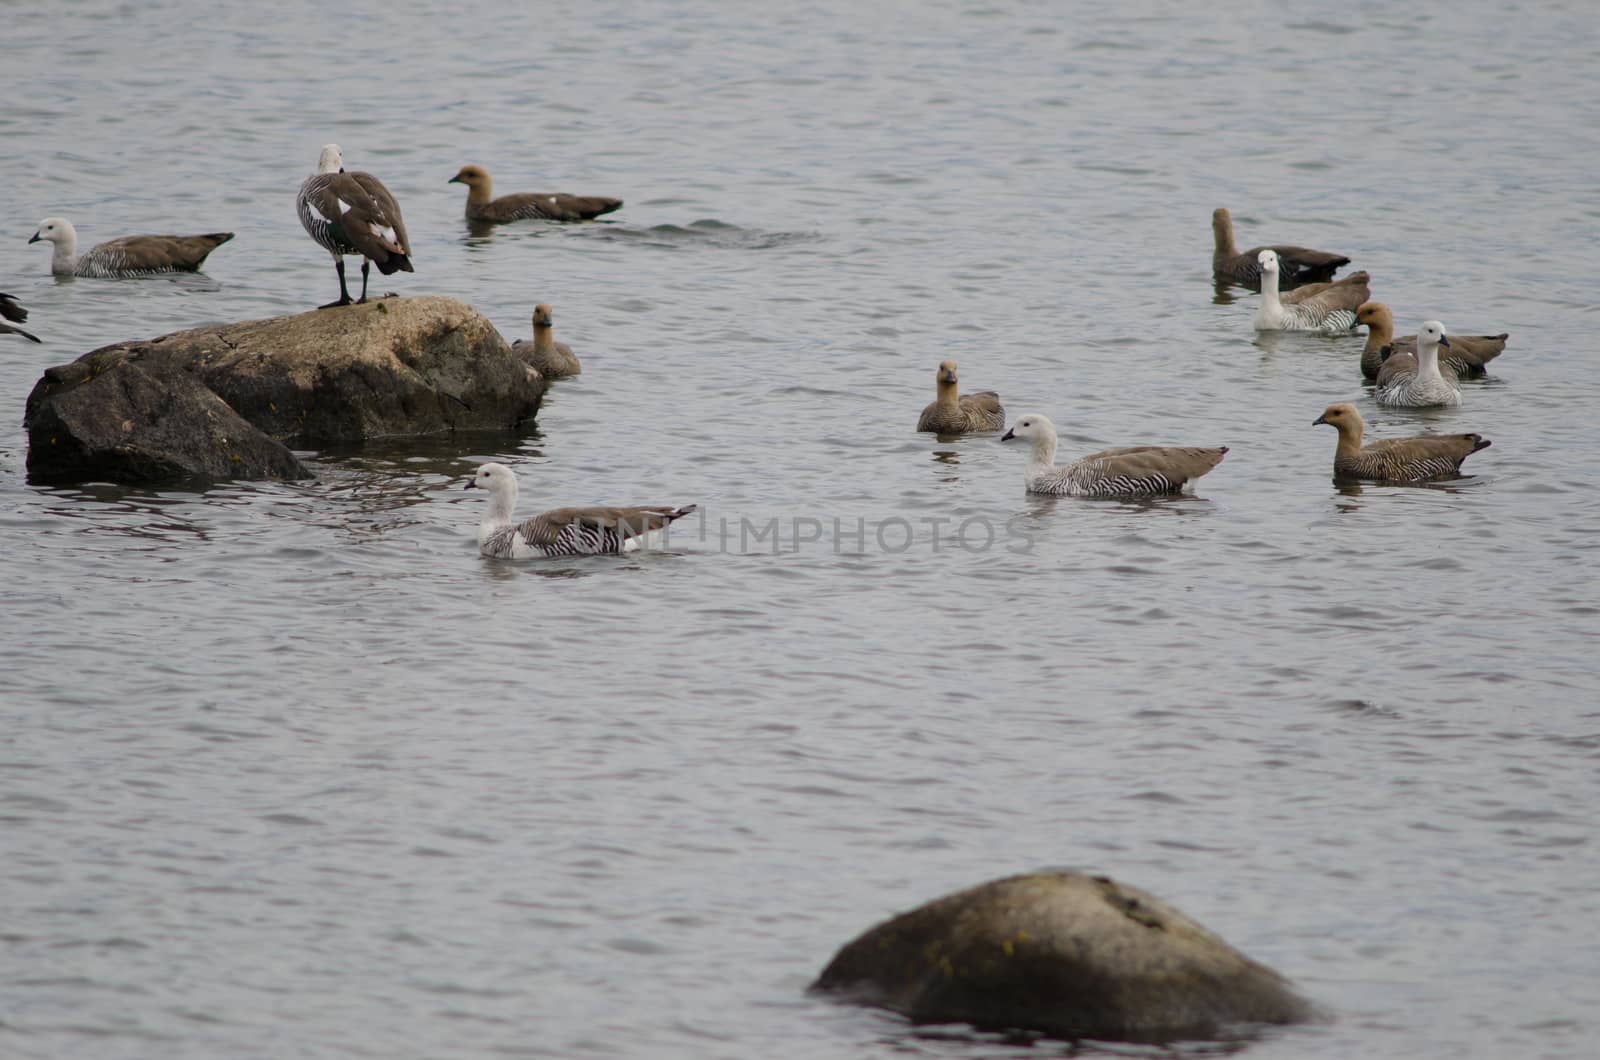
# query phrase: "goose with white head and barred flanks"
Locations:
[[591, 531], [127, 257], [1330, 311], [1136, 471], [1417, 382], [1468, 358], [353, 213], [1414, 459]]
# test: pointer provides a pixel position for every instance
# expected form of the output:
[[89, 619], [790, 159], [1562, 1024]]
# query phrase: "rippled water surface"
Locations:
[[289, 771]]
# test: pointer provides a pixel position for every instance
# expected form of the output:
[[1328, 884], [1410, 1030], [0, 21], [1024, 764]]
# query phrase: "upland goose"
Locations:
[[483, 206], [1330, 311], [552, 359], [1413, 459], [128, 256], [1467, 357], [10, 310], [1298, 265], [353, 213], [1416, 381], [564, 531], [1137, 471], [956, 413]]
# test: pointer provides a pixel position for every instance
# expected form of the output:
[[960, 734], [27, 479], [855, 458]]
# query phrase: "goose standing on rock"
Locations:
[[483, 206], [552, 359], [125, 257], [564, 531], [1413, 459], [956, 413], [1138, 471], [1330, 311], [353, 213], [1417, 382], [1468, 356], [1299, 266], [10, 310]]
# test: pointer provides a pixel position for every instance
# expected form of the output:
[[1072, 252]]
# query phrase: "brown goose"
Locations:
[[1136, 471], [353, 213], [125, 257], [10, 310], [483, 206], [1413, 459], [1468, 356], [551, 359], [1298, 265], [564, 531], [956, 413]]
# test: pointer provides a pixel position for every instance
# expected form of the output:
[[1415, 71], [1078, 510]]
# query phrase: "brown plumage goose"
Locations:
[[353, 213], [551, 359], [1135, 471], [1467, 357], [483, 206], [955, 413], [12, 311], [1298, 265], [127, 256], [1413, 459], [564, 531]]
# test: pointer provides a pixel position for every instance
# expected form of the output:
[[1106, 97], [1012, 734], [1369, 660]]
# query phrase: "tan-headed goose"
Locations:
[[557, 206], [1330, 311], [955, 413], [551, 359], [353, 213], [564, 531], [1297, 265], [1468, 356], [1413, 459], [125, 257], [1417, 382], [1137, 471], [12, 311]]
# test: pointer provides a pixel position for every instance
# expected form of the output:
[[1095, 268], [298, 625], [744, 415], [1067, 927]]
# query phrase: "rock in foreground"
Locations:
[[1064, 953], [225, 401]]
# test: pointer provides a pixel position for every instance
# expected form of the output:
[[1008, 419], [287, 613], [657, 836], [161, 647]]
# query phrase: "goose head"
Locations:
[[1031, 428], [542, 316], [1375, 315], [57, 230], [1268, 260], [1432, 334], [498, 479], [331, 160], [471, 176], [1340, 416], [947, 373]]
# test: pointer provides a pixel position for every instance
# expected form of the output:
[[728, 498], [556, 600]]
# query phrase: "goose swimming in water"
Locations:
[[551, 359], [1468, 357], [564, 531], [1414, 459], [1417, 382], [955, 413], [557, 206], [1132, 472], [126, 257], [1330, 310], [353, 213], [1297, 265]]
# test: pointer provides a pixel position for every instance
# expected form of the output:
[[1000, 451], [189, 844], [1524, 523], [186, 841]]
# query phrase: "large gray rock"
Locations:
[[1068, 954], [402, 366]]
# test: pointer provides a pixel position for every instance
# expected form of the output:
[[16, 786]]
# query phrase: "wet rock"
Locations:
[[1066, 954], [393, 367]]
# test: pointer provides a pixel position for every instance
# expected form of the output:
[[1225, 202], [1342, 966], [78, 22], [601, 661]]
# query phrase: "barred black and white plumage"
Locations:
[[564, 531], [1135, 471], [127, 257], [1467, 358], [353, 213], [484, 208], [1414, 459], [1329, 310], [1417, 382]]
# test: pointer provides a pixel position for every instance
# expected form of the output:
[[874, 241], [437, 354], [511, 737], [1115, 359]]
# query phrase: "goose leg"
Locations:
[[344, 292], [366, 267]]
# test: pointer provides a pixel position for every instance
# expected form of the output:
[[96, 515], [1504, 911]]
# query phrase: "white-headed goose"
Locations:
[[563, 531], [1330, 311], [1468, 356], [353, 213], [1136, 471], [1417, 382], [125, 257]]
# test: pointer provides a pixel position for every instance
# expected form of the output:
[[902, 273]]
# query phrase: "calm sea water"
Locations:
[[288, 770]]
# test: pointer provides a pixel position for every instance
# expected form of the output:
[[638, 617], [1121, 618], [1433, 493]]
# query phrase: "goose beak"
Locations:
[[1006, 437], [471, 484], [35, 238], [1444, 340], [1319, 419], [453, 180]]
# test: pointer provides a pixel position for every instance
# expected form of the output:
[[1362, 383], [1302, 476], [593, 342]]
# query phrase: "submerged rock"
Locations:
[[225, 401], [1064, 953]]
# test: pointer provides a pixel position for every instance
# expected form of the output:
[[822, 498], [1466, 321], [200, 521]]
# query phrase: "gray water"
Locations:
[[289, 770]]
